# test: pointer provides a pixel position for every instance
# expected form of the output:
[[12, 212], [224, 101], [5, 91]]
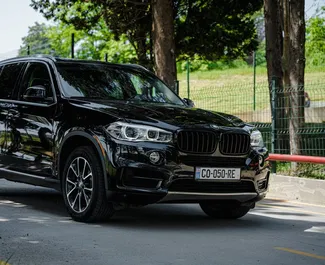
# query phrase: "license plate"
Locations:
[[217, 173]]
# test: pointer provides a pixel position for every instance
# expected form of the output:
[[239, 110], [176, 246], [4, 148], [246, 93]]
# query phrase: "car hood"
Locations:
[[162, 115]]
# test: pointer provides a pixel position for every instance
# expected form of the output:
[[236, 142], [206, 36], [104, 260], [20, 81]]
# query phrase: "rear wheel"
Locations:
[[224, 211], [83, 187]]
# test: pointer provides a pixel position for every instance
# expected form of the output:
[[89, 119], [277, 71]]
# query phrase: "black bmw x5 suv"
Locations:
[[114, 136]]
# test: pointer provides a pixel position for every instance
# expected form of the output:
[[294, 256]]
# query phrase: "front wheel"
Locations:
[[83, 187], [224, 211]]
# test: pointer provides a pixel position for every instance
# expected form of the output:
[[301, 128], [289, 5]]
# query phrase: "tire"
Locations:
[[224, 211], [84, 190]]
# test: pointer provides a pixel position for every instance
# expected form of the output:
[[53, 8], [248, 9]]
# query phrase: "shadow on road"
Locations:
[[162, 216], [153, 217], [39, 199], [175, 217]]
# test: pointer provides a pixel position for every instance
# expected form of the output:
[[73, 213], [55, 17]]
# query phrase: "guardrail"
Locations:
[[309, 160], [297, 158]]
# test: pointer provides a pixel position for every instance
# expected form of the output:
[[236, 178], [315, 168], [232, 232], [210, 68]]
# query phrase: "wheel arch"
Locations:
[[79, 138]]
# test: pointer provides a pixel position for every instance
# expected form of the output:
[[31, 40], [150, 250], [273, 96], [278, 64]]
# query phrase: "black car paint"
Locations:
[[34, 136]]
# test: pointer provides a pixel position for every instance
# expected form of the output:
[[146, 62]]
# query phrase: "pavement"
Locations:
[[35, 229], [289, 188]]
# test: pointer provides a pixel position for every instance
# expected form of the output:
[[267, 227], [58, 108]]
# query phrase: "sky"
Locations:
[[16, 16]]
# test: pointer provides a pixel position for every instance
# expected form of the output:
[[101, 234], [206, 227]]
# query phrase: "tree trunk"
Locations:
[[296, 70], [274, 49], [164, 41], [274, 40]]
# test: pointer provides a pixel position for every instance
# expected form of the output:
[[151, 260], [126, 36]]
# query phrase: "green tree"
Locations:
[[216, 29], [210, 29], [315, 44], [121, 18], [36, 40], [120, 51], [94, 44]]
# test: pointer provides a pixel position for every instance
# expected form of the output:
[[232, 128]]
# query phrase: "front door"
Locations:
[[30, 124]]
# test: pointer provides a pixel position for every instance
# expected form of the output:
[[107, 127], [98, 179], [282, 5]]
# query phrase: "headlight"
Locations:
[[257, 139], [137, 133]]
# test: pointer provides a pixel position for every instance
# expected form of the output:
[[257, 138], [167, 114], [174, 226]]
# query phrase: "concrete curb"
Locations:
[[297, 189]]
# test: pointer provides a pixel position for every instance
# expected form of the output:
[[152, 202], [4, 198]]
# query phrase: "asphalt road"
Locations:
[[35, 229]]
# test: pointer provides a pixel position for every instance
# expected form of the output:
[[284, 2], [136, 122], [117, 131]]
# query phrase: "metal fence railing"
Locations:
[[239, 100], [295, 123]]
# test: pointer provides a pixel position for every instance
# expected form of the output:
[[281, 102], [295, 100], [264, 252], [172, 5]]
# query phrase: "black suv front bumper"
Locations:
[[137, 181]]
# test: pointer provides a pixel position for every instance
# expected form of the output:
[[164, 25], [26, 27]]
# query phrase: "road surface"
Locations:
[[36, 230]]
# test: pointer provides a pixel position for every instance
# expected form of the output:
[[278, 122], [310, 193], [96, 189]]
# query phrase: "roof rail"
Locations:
[[44, 56], [51, 57]]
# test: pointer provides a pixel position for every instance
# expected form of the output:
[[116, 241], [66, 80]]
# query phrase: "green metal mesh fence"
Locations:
[[295, 113]]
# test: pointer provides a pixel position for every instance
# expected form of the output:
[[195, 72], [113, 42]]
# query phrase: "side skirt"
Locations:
[[30, 179]]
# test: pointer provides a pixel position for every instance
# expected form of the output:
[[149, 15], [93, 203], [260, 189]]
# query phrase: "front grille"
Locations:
[[198, 142], [234, 144], [212, 161], [188, 185]]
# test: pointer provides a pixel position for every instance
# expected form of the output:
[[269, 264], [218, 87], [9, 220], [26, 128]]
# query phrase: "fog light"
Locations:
[[154, 157]]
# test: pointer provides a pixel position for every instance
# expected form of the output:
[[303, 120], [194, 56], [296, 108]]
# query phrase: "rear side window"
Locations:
[[8, 78]]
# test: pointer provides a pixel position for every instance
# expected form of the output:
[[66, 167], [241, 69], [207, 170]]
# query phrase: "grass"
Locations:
[[231, 90], [245, 73], [304, 170]]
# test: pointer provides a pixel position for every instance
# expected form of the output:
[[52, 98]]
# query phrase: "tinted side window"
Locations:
[[37, 75], [8, 79], [94, 81]]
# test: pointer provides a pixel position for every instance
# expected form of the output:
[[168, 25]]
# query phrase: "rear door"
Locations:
[[30, 124], [10, 74]]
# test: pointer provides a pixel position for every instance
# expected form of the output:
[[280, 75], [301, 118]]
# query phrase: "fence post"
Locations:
[[273, 132], [188, 78], [28, 50], [254, 80], [106, 57], [177, 87], [72, 45]]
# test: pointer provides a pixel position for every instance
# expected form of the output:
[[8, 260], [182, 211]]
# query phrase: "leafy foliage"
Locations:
[[37, 39], [259, 21], [209, 29], [56, 40], [315, 40], [216, 33], [122, 18]]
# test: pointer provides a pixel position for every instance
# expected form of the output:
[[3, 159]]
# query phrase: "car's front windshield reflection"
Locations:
[[114, 83]]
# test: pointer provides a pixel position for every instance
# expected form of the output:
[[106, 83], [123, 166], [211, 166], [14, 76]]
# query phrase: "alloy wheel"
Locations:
[[79, 185]]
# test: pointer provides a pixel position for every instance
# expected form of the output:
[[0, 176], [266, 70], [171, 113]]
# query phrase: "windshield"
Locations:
[[113, 83]]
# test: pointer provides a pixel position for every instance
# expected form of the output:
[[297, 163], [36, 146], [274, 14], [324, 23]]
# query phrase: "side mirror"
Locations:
[[35, 93], [189, 102]]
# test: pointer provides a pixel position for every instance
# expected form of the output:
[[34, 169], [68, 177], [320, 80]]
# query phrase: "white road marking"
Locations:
[[316, 229]]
